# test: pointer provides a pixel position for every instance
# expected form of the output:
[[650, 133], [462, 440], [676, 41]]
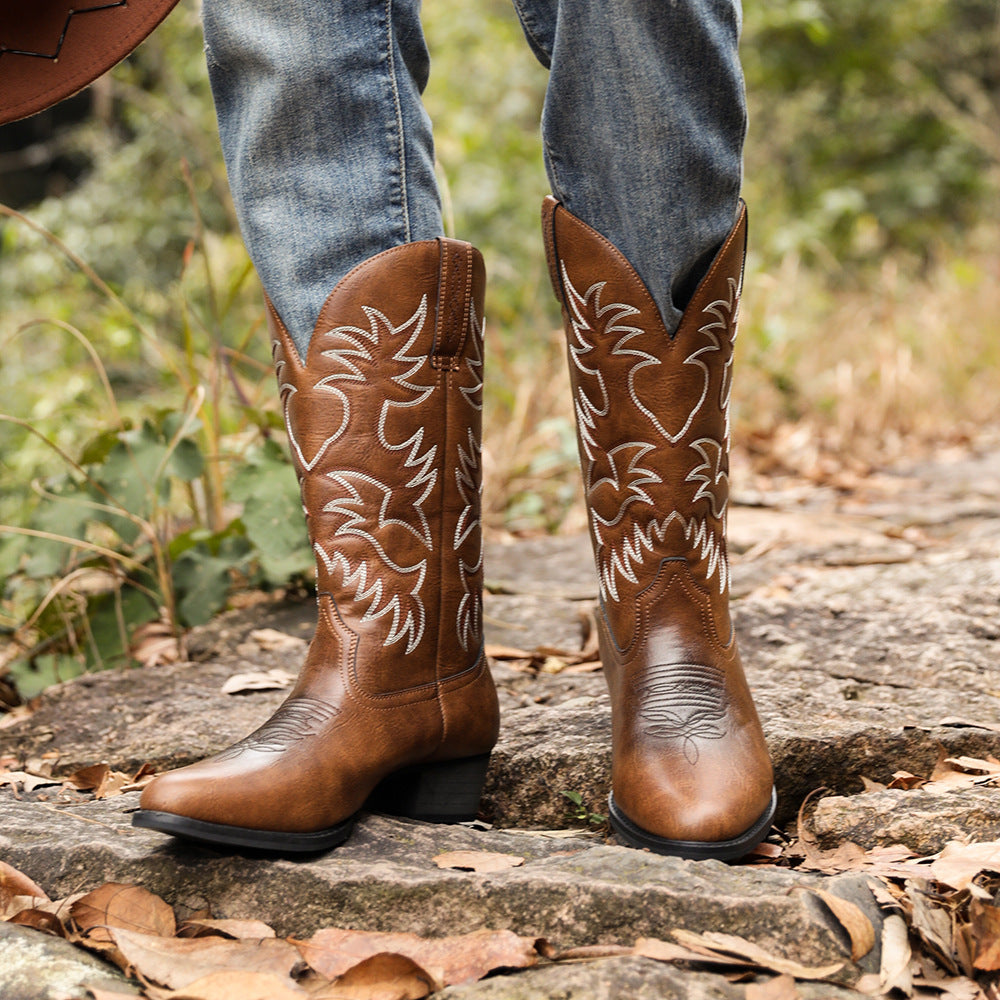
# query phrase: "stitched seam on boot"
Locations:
[[351, 680]]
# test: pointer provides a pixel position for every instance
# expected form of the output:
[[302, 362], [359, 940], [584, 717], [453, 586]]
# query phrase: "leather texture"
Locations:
[[384, 425], [689, 759], [50, 49]]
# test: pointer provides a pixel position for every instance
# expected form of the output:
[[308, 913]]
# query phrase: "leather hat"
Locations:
[[50, 49]]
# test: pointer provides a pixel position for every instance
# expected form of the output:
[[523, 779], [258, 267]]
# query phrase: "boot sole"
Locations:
[[445, 792], [695, 850]]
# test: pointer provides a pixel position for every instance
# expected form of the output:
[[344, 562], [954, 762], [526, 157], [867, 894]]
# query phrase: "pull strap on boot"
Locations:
[[395, 708], [691, 774]]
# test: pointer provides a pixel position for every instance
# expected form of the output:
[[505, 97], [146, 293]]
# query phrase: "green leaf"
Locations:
[[187, 462], [48, 669], [202, 580], [105, 616], [272, 514]]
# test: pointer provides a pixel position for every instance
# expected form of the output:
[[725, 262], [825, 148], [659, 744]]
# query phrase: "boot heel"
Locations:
[[446, 792]]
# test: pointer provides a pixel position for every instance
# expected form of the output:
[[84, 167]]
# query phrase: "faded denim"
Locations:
[[330, 152]]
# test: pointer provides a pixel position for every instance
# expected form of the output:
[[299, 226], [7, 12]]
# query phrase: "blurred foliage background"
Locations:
[[144, 477]]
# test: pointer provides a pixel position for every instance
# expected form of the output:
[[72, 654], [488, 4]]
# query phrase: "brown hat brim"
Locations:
[[50, 49]]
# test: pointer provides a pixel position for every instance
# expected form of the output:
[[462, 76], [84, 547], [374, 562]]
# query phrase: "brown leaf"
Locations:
[[40, 920], [587, 952], [895, 971], [14, 883], [738, 947], [155, 643], [140, 779], [587, 667], [176, 962], [667, 951], [986, 935], [497, 652], [958, 864], [114, 905], [974, 765], [271, 639], [99, 779], [478, 861], [779, 988], [903, 779], [384, 976], [460, 959], [236, 929], [852, 918], [932, 925], [872, 786], [28, 782], [258, 680], [239, 985], [958, 988]]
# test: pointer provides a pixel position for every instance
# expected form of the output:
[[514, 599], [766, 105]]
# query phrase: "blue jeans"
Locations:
[[330, 152]]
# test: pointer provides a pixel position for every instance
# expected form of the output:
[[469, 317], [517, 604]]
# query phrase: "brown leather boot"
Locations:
[[691, 774], [395, 708]]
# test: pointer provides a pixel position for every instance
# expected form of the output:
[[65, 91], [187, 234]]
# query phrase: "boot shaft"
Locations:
[[652, 412], [384, 425]]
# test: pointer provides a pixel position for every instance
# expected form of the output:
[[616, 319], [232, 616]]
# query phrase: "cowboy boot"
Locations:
[[691, 774], [395, 708]]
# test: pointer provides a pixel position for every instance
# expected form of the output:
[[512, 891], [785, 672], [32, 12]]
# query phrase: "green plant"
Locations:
[[164, 509], [580, 812]]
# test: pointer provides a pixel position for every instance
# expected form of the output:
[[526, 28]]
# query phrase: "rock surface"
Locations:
[[37, 966], [869, 625], [923, 821]]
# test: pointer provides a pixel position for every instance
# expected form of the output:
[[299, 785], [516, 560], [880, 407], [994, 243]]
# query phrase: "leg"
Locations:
[[644, 129], [329, 156], [327, 144]]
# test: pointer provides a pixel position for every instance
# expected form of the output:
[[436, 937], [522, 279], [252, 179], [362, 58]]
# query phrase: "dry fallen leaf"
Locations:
[[852, 918], [154, 644], [958, 864], [738, 947], [178, 962], [237, 929], [384, 976], [895, 971], [478, 861], [986, 935], [932, 924], [974, 765], [100, 779], [497, 652], [239, 985], [585, 953], [40, 920], [667, 951], [958, 988], [906, 780], [28, 782], [14, 883], [463, 958], [114, 905], [272, 639], [259, 680]]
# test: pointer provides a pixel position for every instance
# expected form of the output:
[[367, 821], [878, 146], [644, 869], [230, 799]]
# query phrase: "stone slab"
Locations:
[[37, 966], [570, 891], [924, 821], [857, 671], [620, 978]]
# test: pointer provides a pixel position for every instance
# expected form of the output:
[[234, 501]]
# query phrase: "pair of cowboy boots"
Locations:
[[395, 709]]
